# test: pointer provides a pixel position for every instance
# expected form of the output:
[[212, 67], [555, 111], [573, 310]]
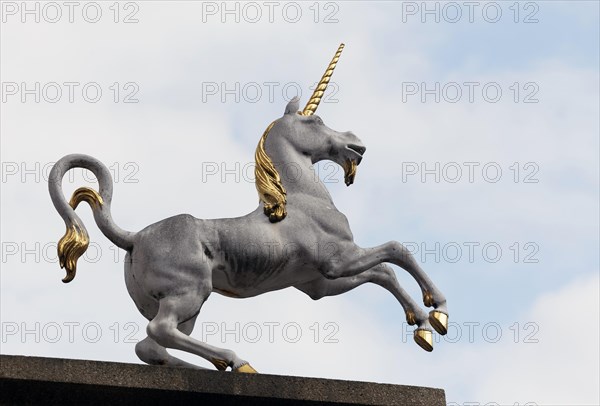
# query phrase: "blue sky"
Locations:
[[171, 133]]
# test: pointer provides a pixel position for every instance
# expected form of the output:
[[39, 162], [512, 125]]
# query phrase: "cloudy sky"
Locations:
[[481, 122]]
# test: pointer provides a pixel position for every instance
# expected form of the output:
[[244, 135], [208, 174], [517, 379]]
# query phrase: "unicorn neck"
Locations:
[[296, 170]]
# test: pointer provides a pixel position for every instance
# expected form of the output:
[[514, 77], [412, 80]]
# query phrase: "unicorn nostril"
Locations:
[[358, 148]]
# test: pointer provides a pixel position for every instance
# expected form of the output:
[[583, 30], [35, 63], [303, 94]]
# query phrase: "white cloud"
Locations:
[[563, 367]]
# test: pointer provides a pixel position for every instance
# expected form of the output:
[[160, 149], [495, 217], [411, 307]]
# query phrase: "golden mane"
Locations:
[[268, 182]]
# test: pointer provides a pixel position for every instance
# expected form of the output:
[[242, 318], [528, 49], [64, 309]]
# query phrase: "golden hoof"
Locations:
[[428, 299], [439, 321], [424, 338], [220, 364], [411, 319], [246, 368]]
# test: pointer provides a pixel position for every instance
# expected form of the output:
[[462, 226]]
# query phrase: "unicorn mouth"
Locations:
[[357, 150]]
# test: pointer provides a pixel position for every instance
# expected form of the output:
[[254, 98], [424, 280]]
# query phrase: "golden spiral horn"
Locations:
[[315, 99]]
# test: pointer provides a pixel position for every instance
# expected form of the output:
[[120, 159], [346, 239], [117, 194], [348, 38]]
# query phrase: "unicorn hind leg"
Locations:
[[163, 329], [153, 353]]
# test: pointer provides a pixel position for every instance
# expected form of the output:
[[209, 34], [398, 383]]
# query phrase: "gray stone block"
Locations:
[[35, 380]]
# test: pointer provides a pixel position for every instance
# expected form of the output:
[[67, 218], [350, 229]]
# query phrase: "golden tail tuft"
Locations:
[[76, 240], [85, 194], [70, 247]]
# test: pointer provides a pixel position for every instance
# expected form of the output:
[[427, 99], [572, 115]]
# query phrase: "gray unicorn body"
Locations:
[[172, 266]]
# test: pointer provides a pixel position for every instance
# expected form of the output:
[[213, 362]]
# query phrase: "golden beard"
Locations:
[[349, 171]]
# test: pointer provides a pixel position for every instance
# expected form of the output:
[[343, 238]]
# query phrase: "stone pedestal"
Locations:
[[34, 380]]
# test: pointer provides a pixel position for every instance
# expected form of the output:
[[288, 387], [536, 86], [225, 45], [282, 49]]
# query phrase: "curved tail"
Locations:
[[76, 240]]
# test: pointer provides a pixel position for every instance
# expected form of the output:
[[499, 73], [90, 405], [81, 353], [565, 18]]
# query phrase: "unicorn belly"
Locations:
[[247, 280]]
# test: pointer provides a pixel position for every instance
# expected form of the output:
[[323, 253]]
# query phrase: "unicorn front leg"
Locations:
[[350, 260], [384, 276]]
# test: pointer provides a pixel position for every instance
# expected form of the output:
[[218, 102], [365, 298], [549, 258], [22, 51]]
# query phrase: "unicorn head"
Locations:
[[304, 131]]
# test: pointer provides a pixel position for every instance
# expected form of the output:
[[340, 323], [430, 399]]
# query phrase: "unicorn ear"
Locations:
[[293, 106]]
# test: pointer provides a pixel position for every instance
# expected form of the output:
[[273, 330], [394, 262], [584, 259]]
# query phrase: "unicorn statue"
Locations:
[[298, 238]]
